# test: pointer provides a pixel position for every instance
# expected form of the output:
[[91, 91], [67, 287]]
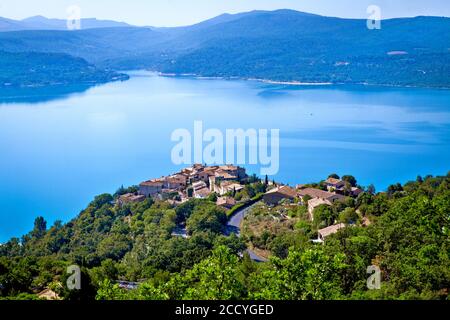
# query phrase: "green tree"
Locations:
[[40, 227], [371, 189], [308, 275], [348, 216], [206, 218], [323, 216], [350, 179], [215, 278], [109, 290]]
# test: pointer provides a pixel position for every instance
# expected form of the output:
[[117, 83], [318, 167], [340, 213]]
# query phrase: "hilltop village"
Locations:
[[215, 232], [228, 186]]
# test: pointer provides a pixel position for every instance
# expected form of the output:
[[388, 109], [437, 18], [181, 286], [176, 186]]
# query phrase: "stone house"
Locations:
[[226, 202], [150, 188], [325, 232], [130, 198], [275, 195]]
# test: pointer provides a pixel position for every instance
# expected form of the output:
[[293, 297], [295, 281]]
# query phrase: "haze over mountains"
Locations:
[[43, 23], [281, 45]]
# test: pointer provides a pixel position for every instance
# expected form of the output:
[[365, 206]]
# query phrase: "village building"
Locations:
[[227, 186], [225, 175], [335, 184], [176, 181], [238, 173], [201, 190], [130, 198], [339, 186], [204, 180], [202, 176], [48, 294], [212, 183], [314, 203], [356, 191], [198, 172], [202, 193], [321, 194], [317, 197], [226, 202], [199, 185], [325, 232], [273, 196], [150, 188]]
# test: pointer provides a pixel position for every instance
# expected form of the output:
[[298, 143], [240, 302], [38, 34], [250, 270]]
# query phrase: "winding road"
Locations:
[[234, 226]]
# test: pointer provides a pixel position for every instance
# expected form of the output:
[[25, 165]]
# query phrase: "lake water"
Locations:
[[58, 149]]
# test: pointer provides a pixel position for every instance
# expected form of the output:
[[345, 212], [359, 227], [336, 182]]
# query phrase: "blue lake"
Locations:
[[60, 148]]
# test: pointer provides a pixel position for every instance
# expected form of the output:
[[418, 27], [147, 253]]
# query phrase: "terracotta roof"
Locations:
[[317, 193], [221, 201], [229, 167], [286, 190], [177, 178], [230, 185], [325, 232], [152, 183], [211, 168], [334, 181], [314, 202], [203, 192], [48, 294], [199, 185], [226, 183], [224, 174], [130, 197]]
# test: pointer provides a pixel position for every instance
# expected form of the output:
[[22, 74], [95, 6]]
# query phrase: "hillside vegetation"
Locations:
[[41, 69], [408, 239]]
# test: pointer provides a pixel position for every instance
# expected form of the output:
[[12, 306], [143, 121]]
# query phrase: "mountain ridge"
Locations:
[[281, 45], [40, 22]]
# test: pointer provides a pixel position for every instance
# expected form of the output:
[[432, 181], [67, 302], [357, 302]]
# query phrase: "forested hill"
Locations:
[[404, 231], [28, 69], [283, 45]]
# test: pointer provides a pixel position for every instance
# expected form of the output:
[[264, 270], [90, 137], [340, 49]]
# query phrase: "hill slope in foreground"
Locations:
[[405, 234]]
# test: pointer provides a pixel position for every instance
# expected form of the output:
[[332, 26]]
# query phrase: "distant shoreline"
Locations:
[[290, 83], [37, 84], [269, 81]]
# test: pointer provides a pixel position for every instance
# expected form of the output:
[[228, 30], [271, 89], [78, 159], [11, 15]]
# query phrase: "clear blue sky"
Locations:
[[184, 12]]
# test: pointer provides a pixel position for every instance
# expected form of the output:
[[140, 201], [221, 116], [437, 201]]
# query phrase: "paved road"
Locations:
[[234, 226]]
